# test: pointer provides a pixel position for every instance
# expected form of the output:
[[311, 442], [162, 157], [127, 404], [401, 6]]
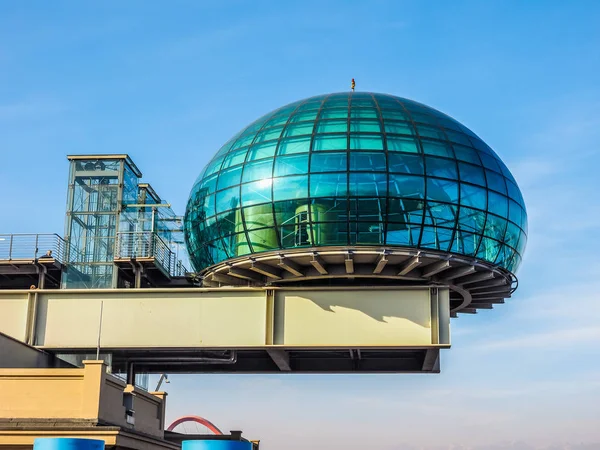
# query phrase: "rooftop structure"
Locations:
[[361, 186], [370, 217]]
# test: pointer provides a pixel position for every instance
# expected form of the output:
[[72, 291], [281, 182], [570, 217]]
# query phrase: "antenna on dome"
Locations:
[[353, 84]]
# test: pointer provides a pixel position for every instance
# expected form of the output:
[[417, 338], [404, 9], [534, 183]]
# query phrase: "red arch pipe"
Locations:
[[197, 419]]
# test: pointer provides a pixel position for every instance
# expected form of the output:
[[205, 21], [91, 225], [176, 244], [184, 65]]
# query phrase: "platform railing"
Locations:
[[20, 246], [147, 244]]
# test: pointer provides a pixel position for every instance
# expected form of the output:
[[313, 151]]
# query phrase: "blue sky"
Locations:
[[169, 82]]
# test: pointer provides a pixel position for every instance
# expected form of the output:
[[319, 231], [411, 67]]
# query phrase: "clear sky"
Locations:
[[169, 82]]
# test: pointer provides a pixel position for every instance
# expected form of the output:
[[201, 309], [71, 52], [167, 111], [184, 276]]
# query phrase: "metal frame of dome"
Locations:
[[451, 159]]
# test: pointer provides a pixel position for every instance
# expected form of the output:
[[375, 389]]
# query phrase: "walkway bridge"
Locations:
[[247, 330]]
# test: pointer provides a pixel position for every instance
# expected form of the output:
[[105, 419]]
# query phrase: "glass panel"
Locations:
[[441, 214], [430, 132], [437, 148], [269, 134], [256, 192], [291, 165], [294, 145], [513, 192], [498, 204], [442, 190], [513, 233], [304, 116], [365, 142], [329, 185], [405, 210], [467, 154], [403, 163], [298, 129], [259, 151], [234, 158], [495, 227], [227, 221], [228, 199], [230, 177], [439, 167], [398, 144], [436, 238], [330, 142], [259, 216], [209, 184], [287, 188], [489, 162], [465, 243], [365, 126], [332, 126], [338, 113], [406, 186], [393, 114], [514, 212], [471, 174], [458, 138], [364, 113], [471, 220], [368, 184], [488, 249], [367, 161], [328, 162], [495, 181], [403, 234], [258, 170], [473, 196], [329, 209], [263, 240], [213, 166], [367, 209], [399, 128]]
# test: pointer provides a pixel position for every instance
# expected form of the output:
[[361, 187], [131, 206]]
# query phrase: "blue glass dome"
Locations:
[[351, 170]]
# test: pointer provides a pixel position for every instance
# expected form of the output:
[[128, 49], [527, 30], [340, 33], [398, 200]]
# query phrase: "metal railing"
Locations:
[[31, 246], [147, 244]]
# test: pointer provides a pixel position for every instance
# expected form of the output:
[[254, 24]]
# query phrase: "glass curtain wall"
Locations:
[[356, 169]]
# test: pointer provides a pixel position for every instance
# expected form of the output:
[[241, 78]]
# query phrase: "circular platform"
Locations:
[[474, 284]]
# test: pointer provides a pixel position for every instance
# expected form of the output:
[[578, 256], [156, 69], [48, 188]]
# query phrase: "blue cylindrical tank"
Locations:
[[216, 445], [67, 444]]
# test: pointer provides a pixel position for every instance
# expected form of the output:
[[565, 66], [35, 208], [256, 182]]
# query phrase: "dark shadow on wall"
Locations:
[[378, 305]]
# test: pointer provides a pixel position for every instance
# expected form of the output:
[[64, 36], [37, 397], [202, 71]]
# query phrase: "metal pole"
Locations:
[[99, 330]]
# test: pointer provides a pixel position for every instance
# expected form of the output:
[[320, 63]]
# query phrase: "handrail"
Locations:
[[31, 246], [148, 244]]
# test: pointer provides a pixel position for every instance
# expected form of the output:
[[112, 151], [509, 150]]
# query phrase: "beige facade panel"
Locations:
[[353, 318], [235, 318], [13, 315], [152, 320]]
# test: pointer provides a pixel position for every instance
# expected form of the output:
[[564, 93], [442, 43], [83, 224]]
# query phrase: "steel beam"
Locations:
[[409, 265], [431, 363], [290, 266], [266, 270], [474, 278], [318, 263], [435, 268], [349, 262], [281, 358], [457, 272], [381, 263], [244, 274]]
